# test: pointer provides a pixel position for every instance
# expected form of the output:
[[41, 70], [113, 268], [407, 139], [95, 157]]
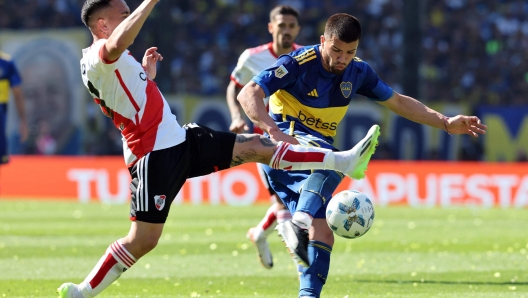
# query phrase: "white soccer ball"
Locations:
[[350, 214]]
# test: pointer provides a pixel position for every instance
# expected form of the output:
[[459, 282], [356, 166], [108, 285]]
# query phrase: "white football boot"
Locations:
[[68, 290], [261, 244], [361, 153]]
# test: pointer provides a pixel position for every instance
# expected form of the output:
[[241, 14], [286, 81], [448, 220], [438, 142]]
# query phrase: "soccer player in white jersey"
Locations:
[[284, 28], [159, 153]]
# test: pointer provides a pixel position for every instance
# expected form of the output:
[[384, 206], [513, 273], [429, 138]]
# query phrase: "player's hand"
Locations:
[[238, 125], [280, 136], [149, 61], [461, 124]]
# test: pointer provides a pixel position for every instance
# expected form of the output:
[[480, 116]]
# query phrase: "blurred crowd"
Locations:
[[476, 51], [473, 51]]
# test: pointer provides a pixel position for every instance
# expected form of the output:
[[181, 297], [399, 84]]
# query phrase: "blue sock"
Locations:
[[316, 190], [313, 278]]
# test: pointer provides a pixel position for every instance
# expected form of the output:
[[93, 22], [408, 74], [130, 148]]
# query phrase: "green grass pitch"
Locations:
[[203, 252]]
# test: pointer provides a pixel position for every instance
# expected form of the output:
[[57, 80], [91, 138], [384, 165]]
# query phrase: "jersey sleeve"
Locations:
[[282, 74], [95, 61], [14, 77], [242, 73], [373, 87]]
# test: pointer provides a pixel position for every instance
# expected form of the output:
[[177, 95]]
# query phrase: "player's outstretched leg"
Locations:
[[352, 163]]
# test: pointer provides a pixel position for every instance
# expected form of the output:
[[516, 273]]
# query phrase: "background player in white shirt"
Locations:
[[159, 153], [284, 28]]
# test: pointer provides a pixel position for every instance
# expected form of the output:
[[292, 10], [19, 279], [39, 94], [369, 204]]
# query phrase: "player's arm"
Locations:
[[21, 109], [125, 33], [251, 97], [375, 89], [238, 124], [416, 111], [281, 74]]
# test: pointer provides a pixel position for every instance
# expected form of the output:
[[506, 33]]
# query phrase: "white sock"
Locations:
[[342, 161], [112, 264], [302, 220], [296, 157], [269, 221], [283, 215]]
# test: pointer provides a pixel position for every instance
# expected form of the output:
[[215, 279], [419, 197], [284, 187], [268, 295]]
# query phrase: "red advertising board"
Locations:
[[106, 179]]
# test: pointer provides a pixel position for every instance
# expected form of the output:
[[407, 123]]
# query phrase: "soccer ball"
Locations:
[[350, 214]]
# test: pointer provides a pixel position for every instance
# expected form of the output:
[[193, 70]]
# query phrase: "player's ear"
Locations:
[[270, 27], [322, 40], [102, 27]]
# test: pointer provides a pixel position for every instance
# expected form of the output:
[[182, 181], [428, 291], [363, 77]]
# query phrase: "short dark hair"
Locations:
[[284, 10], [344, 27], [92, 6]]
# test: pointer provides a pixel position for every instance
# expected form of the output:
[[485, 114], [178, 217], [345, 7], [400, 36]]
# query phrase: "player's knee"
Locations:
[[149, 244]]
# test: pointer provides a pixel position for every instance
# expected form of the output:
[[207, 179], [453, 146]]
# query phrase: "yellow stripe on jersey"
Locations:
[[307, 59], [322, 120], [4, 90], [306, 56]]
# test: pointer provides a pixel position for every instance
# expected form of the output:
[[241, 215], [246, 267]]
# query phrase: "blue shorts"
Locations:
[[4, 158], [288, 184]]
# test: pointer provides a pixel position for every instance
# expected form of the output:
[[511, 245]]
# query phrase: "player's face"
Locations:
[[114, 15], [337, 54], [284, 30]]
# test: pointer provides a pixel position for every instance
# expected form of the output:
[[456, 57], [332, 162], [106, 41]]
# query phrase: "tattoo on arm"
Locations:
[[247, 156], [267, 142], [243, 139]]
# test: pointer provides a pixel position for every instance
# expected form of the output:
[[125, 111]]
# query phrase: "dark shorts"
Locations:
[[158, 176]]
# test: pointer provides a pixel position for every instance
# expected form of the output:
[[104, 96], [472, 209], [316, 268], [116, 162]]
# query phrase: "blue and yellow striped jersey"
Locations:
[[9, 77], [301, 90]]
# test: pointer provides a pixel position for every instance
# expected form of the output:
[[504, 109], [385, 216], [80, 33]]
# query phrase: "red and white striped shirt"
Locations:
[[132, 100], [251, 62], [254, 60]]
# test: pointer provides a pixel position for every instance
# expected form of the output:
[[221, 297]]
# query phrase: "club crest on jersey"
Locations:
[[346, 89], [160, 201], [281, 72]]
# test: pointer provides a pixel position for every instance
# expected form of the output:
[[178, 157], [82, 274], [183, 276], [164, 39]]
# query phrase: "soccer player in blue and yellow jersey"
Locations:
[[310, 91], [10, 80]]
